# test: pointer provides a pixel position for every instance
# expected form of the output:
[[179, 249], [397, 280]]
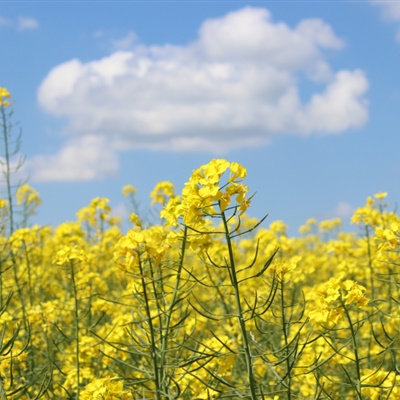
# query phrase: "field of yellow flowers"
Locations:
[[203, 302]]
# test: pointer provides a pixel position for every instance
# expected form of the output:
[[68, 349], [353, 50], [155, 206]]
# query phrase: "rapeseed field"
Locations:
[[199, 302]]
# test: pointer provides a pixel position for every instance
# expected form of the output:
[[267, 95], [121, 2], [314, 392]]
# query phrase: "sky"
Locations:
[[304, 94]]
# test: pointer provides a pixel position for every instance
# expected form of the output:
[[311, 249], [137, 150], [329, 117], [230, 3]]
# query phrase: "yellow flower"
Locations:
[[105, 388], [278, 227], [237, 171], [28, 196], [70, 253], [225, 201], [128, 190], [282, 268], [355, 294], [134, 218], [4, 94], [330, 224], [172, 211], [380, 195], [95, 213], [162, 192], [308, 226], [206, 188], [245, 204], [238, 189]]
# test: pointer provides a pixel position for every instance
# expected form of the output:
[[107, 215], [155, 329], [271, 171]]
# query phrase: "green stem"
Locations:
[[7, 171], [355, 349], [19, 287], [153, 346], [285, 335], [165, 334], [77, 364], [242, 324]]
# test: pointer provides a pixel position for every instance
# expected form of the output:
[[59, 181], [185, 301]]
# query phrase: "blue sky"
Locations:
[[306, 95]]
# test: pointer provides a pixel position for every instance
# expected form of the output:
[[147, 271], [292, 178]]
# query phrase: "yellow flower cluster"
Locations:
[[329, 298], [4, 95], [162, 192], [69, 254], [105, 389], [205, 195]]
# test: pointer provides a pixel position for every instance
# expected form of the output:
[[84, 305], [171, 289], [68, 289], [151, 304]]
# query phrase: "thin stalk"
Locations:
[[152, 333], [155, 283], [242, 324], [165, 334], [7, 172], [76, 333], [355, 349], [285, 335], [19, 287]]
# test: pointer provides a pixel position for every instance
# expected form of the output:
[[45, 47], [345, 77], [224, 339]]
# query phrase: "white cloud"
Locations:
[[27, 23], [20, 24], [390, 9], [81, 159], [390, 12], [239, 84], [340, 106], [127, 42], [109, 41], [343, 210]]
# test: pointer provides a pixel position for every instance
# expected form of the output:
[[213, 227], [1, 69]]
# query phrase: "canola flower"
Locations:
[[128, 190], [204, 194], [329, 297], [28, 196], [4, 95], [70, 254], [105, 388], [162, 192]]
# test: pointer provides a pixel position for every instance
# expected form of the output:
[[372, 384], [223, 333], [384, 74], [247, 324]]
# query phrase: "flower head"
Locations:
[[128, 190], [70, 253], [4, 94]]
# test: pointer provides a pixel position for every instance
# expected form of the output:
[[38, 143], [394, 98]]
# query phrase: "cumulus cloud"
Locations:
[[238, 84], [27, 23], [390, 12], [342, 210], [20, 24], [126, 42], [81, 159], [112, 43]]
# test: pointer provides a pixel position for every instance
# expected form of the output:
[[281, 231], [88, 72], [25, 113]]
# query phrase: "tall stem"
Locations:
[[76, 333], [152, 333], [165, 335], [242, 323], [355, 349], [7, 171], [285, 335]]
